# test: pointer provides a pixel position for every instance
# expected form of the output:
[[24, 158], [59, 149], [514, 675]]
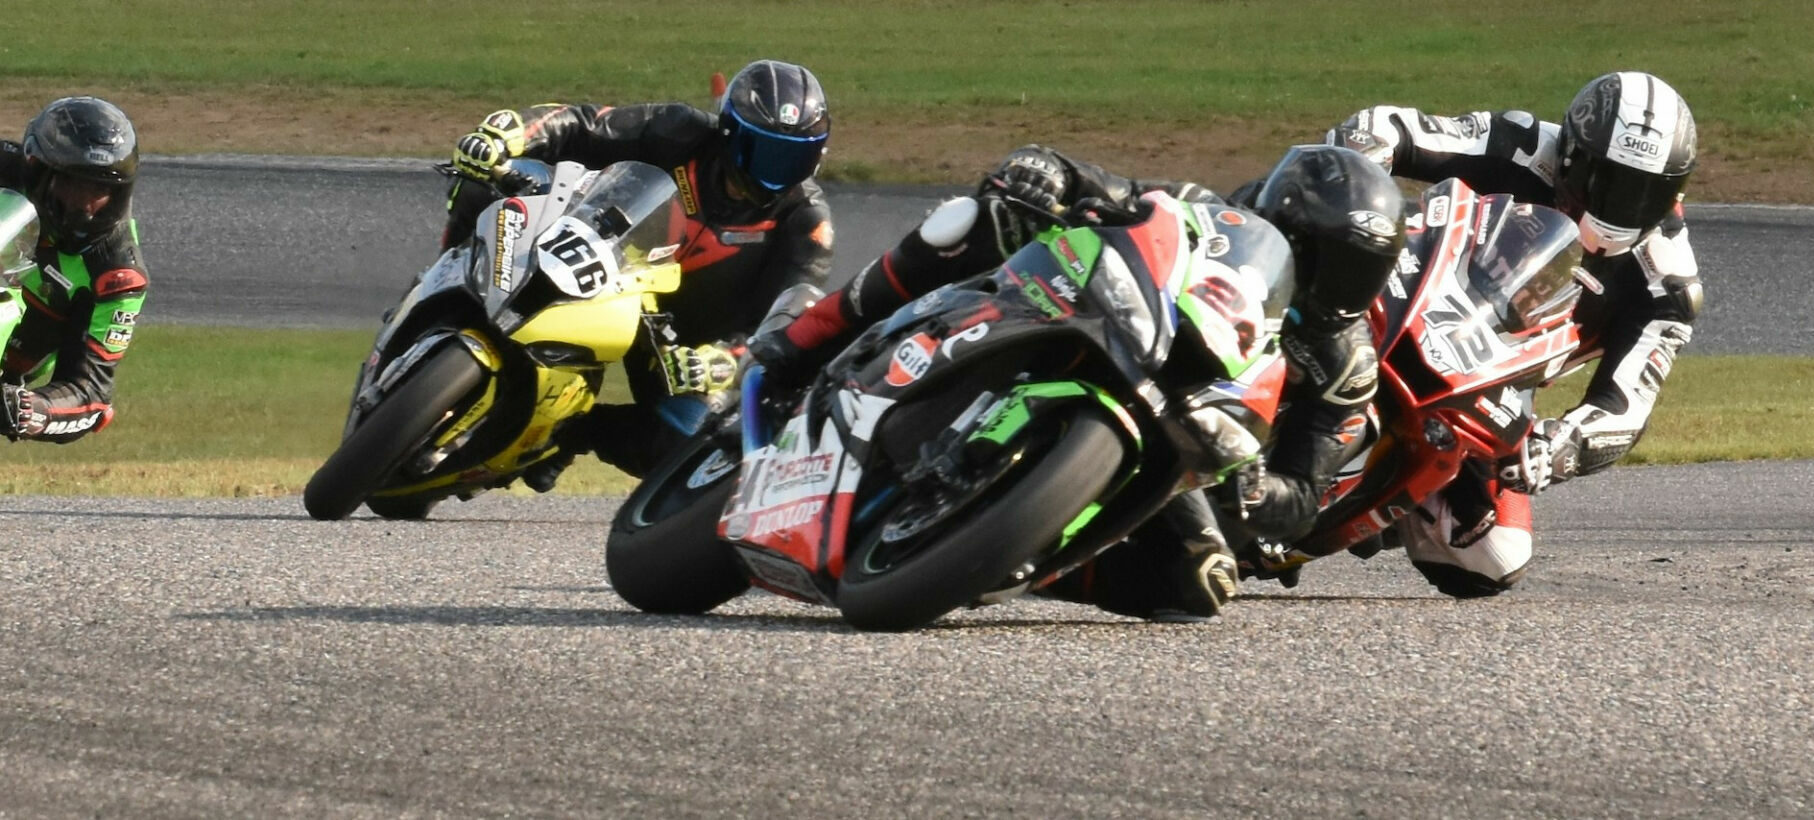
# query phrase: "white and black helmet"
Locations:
[[1628, 145]]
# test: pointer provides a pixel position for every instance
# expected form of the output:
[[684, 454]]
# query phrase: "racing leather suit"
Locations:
[[82, 303], [1635, 313], [736, 254]]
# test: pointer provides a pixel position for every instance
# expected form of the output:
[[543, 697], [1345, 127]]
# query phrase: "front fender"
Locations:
[[1010, 416]]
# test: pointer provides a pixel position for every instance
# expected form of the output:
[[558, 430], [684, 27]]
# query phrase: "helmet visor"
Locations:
[[1624, 196], [775, 161]]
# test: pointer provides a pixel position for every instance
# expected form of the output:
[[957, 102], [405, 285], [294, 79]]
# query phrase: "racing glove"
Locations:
[[498, 138], [703, 369], [22, 417], [1551, 453], [1032, 176]]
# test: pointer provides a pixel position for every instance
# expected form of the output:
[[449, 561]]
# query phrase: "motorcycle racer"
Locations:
[[1312, 196], [77, 163], [756, 223], [1617, 163]]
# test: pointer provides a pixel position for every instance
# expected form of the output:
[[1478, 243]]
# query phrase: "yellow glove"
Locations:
[[702, 369], [498, 138]]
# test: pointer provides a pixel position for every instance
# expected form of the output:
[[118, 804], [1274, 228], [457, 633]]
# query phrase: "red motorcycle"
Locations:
[[1474, 319]]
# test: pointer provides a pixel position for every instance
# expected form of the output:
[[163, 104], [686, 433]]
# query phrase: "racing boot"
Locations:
[[1466, 551], [1175, 568]]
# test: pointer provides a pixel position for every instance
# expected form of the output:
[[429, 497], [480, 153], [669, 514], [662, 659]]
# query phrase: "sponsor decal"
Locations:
[[1072, 263], [1231, 218], [785, 517], [1436, 214], [911, 359], [1395, 287], [790, 114], [1407, 263], [119, 336], [67, 426], [1064, 289], [687, 199], [1635, 143], [742, 237], [513, 217], [663, 253], [970, 334], [126, 318], [1036, 292], [1216, 246], [798, 473], [1486, 213]]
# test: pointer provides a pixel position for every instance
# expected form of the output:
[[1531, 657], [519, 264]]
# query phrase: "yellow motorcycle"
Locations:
[[503, 338]]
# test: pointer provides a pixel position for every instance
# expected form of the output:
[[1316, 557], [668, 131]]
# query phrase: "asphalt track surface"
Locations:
[[332, 243], [231, 658]]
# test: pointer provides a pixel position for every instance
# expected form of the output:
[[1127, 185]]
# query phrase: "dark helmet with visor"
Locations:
[[1628, 146], [83, 156], [1344, 216], [775, 124]]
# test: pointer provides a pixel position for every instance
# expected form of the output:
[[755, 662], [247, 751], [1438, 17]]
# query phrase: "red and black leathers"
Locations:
[[740, 250], [1637, 309], [81, 306]]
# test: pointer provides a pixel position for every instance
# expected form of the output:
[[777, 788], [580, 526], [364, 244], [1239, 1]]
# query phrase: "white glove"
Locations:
[[1551, 454]]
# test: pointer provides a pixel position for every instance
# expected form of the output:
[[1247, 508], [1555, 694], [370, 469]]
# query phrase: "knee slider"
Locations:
[[950, 222]]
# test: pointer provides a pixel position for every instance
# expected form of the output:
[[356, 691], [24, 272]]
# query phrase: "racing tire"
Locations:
[[664, 555], [403, 419], [400, 508], [1023, 514]]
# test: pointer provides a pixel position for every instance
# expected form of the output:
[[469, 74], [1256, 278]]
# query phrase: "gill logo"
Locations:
[[687, 199]]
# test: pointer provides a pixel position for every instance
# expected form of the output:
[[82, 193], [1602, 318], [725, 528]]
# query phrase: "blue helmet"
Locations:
[[775, 124]]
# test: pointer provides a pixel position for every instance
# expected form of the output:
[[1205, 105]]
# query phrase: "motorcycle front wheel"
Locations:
[[664, 555], [403, 419], [896, 584]]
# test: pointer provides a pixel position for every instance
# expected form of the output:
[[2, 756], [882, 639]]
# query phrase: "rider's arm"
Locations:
[[89, 342], [600, 135], [1499, 152], [1651, 299]]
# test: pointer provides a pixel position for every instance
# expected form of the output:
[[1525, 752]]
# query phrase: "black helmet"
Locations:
[[1627, 149], [83, 155], [775, 124], [1344, 216]]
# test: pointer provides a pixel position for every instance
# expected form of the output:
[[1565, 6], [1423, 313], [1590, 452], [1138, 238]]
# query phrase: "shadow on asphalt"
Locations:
[[558, 617]]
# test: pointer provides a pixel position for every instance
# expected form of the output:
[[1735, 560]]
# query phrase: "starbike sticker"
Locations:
[[513, 217], [911, 359]]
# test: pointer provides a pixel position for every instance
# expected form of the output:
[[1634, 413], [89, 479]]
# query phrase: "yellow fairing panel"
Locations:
[[608, 325]]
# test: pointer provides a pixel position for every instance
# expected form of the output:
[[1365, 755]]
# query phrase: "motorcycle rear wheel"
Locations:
[[663, 554], [1007, 526], [390, 432]]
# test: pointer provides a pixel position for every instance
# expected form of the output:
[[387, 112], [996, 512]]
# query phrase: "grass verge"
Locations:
[[223, 412]]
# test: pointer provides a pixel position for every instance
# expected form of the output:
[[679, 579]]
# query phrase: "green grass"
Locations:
[[232, 412], [225, 412], [1743, 64]]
